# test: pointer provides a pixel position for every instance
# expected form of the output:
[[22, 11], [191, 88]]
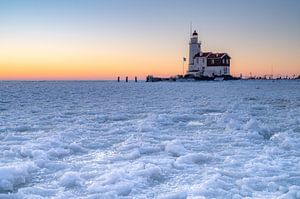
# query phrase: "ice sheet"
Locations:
[[231, 139]]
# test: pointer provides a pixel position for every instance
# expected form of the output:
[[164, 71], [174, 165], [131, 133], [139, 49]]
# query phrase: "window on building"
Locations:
[[223, 61], [212, 61], [227, 61]]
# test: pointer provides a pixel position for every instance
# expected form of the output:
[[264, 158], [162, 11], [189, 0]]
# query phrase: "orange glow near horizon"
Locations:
[[66, 61], [62, 60], [106, 69], [34, 65], [37, 66]]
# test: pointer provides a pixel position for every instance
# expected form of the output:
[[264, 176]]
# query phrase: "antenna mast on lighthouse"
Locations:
[[191, 28]]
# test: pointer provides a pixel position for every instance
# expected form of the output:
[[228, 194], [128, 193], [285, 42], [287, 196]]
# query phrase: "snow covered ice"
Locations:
[[233, 139]]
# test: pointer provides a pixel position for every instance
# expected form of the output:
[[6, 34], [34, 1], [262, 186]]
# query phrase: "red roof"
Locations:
[[211, 55]]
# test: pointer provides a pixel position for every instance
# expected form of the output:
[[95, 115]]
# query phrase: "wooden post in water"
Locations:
[[135, 78], [118, 78], [126, 79]]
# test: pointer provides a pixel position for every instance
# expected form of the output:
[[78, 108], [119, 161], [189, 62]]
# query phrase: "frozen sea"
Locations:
[[232, 139]]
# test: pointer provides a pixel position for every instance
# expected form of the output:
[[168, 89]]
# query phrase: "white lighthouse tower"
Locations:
[[195, 48]]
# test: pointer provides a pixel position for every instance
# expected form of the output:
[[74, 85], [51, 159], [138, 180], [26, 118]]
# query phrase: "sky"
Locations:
[[100, 39]]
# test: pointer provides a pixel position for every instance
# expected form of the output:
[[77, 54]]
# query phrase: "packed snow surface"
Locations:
[[233, 139]]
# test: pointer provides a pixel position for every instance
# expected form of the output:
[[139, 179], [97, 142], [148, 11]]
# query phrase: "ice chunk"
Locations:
[[195, 123], [148, 148], [292, 193], [58, 152], [39, 154], [13, 176], [191, 158], [132, 155], [151, 171], [37, 192], [114, 177], [76, 148], [177, 195], [71, 179], [252, 125], [40, 157], [175, 148], [119, 189]]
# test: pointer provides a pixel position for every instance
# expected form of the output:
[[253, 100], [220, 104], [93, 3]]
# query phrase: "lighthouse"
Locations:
[[195, 48], [206, 64]]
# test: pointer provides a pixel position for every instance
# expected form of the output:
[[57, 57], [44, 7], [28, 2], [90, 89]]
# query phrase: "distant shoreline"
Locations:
[[296, 79]]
